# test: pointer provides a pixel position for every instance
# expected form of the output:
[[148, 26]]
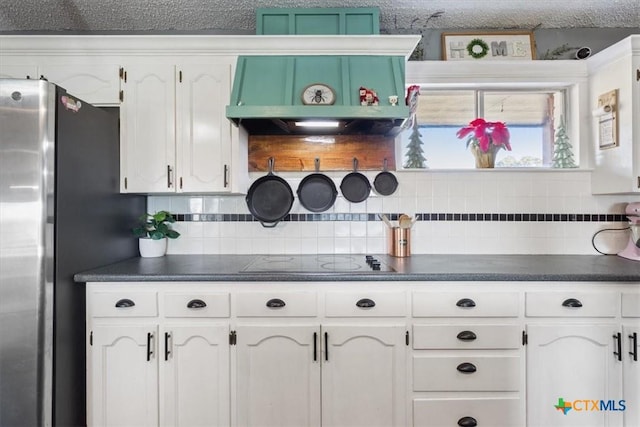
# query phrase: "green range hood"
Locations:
[[271, 93]]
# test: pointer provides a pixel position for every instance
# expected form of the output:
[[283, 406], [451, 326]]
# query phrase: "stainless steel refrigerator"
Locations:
[[60, 213]]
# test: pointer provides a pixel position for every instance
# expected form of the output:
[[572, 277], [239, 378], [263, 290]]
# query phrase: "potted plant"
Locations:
[[485, 139], [153, 233]]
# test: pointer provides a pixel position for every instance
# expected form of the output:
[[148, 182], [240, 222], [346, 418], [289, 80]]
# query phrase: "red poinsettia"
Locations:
[[485, 134]]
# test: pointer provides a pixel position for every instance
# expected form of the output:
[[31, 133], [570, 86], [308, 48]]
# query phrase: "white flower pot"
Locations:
[[150, 248]]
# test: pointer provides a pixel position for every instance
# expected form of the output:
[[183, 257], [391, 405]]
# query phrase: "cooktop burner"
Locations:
[[316, 264]]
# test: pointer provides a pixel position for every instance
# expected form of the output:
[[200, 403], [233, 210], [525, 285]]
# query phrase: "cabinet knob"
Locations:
[[467, 422], [571, 303], [366, 303], [466, 303], [125, 303], [467, 368], [196, 303], [466, 336], [275, 303]]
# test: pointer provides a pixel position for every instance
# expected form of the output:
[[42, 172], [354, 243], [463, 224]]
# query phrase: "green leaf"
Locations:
[[140, 232], [160, 216], [157, 235], [172, 234]]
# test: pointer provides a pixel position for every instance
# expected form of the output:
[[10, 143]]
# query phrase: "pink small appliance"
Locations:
[[632, 251]]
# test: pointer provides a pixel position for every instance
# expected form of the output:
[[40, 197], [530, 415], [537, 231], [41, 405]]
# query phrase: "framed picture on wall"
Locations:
[[494, 46]]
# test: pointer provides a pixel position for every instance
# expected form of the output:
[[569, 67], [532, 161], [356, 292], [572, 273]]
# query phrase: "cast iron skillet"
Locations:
[[269, 198], [385, 182], [355, 186], [317, 192]]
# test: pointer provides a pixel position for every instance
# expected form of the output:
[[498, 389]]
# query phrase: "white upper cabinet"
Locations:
[[616, 133], [147, 129], [203, 148], [175, 136], [10, 70], [96, 83]]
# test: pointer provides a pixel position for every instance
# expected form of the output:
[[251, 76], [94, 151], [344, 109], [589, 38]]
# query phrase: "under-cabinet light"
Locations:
[[318, 124]]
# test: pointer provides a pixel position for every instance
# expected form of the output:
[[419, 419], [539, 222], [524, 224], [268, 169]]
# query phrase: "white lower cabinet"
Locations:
[[467, 412], [364, 376], [278, 376], [351, 354], [467, 359], [631, 357], [631, 374], [574, 359], [123, 376], [152, 364], [194, 371], [293, 371], [315, 375]]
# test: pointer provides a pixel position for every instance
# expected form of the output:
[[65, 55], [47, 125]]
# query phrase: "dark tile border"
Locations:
[[491, 217]]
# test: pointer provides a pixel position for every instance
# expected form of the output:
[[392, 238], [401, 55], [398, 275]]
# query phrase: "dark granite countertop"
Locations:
[[597, 268]]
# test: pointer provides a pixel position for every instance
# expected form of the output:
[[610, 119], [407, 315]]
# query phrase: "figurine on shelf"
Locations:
[[393, 100], [368, 96]]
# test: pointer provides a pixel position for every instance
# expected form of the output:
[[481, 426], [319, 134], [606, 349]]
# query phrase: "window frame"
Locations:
[[559, 75]]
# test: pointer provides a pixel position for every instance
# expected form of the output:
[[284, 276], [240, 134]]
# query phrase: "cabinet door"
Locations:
[[195, 375], [631, 371], [95, 83], [569, 364], [123, 386], [364, 376], [13, 71], [278, 376], [203, 130], [147, 129]]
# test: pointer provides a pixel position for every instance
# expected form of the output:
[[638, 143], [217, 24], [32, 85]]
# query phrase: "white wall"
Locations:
[[493, 191]]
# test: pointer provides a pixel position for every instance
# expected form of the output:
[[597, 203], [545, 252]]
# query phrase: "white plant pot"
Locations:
[[150, 248]]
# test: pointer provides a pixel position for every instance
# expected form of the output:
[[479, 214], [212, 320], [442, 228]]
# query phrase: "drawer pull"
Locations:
[[634, 346], [467, 368], [366, 303], [196, 303], [125, 303], [571, 303], [466, 336], [467, 422], [466, 303], [275, 303]]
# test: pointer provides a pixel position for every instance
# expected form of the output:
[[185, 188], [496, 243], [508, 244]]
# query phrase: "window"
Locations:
[[533, 117]]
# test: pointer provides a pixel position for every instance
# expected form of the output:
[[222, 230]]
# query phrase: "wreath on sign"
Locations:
[[484, 48]]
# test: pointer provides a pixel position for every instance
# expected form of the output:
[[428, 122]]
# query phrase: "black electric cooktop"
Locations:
[[316, 264]]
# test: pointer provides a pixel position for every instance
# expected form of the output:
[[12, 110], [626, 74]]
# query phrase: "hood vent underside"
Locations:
[[267, 96]]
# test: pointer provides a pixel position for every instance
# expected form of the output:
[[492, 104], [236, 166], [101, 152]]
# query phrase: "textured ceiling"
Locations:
[[238, 16]]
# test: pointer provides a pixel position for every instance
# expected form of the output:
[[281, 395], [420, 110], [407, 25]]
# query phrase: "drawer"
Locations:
[[465, 304], [277, 304], [466, 373], [366, 304], [571, 304], [196, 304], [630, 304], [493, 412], [457, 337], [122, 304]]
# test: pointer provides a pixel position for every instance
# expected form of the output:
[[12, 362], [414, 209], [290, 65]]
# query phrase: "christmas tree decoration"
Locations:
[[562, 149], [415, 153]]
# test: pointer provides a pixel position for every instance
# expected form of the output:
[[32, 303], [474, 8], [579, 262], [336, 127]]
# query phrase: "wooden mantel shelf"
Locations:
[[297, 153]]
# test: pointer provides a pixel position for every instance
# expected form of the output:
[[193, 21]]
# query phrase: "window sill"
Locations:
[[532, 169]]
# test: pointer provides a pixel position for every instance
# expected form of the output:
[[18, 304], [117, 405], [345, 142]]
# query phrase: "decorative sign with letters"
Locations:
[[488, 46]]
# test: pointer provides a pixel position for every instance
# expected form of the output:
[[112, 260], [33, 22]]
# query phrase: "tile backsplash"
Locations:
[[458, 212]]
